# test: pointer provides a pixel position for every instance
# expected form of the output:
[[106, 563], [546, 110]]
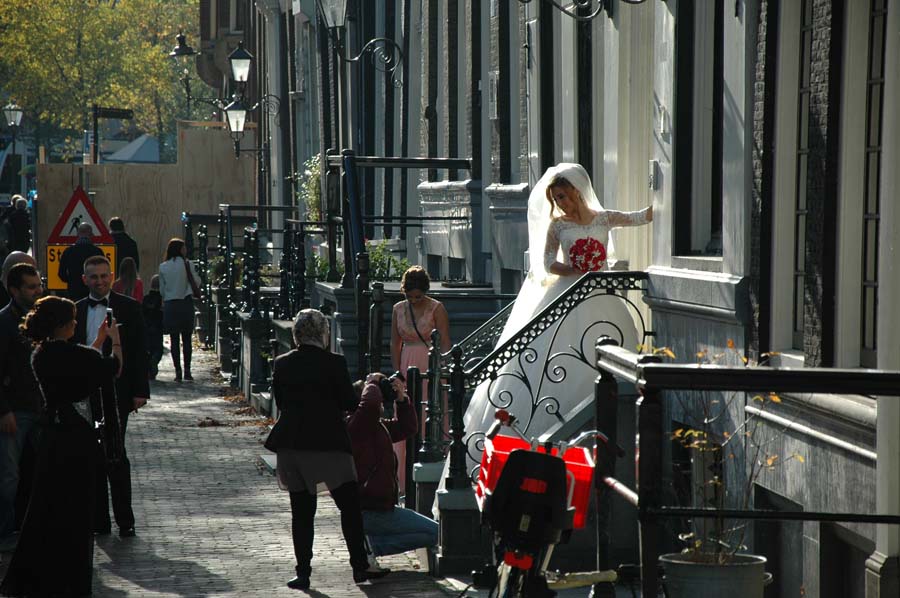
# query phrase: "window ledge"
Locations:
[[788, 359], [698, 262]]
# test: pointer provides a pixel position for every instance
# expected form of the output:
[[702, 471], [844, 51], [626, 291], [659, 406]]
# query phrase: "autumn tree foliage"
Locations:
[[58, 57]]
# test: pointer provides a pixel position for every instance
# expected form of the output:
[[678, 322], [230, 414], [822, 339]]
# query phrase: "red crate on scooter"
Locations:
[[579, 470]]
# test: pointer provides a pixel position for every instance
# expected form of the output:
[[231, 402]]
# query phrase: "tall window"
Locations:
[[872, 178], [699, 81], [800, 208]]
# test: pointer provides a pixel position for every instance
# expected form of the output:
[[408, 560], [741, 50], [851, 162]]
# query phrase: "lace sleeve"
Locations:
[[551, 247], [619, 219]]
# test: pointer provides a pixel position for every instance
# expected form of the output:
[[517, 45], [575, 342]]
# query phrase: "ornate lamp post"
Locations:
[[13, 114]]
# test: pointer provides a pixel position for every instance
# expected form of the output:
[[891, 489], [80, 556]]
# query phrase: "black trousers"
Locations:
[[119, 480], [303, 512]]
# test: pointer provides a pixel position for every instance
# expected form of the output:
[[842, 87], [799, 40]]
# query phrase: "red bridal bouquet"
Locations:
[[587, 255]]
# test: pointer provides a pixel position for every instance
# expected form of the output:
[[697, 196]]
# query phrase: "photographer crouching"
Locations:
[[389, 528]]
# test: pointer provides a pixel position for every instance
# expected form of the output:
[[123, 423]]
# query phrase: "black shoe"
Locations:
[[187, 375], [127, 532], [363, 575], [102, 531], [301, 582], [177, 376]]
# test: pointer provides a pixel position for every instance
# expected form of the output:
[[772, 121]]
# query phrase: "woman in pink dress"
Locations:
[[412, 321]]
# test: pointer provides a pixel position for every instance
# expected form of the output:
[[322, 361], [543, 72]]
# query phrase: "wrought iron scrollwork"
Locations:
[[480, 343], [591, 284]]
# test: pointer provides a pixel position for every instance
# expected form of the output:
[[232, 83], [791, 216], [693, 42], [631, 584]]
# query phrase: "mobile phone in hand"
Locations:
[[109, 317]]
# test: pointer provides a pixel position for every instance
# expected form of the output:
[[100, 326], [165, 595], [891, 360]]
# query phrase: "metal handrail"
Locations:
[[653, 378], [580, 290]]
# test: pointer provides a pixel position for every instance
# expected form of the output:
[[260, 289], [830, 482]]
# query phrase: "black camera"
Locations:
[[388, 394]]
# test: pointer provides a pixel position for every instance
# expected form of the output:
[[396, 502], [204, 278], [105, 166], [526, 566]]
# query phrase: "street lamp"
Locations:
[[240, 60], [13, 113], [182, 52]]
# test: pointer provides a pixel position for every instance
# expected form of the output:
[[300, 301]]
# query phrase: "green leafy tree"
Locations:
[[59, 57]]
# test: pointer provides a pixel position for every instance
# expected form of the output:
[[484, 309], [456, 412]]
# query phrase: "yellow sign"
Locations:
[[54, 253]]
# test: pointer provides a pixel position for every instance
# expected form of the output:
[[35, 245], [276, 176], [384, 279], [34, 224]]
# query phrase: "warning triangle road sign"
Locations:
[[78, 210]]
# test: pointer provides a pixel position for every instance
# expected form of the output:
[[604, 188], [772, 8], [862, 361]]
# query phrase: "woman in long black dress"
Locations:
[[55, 552]]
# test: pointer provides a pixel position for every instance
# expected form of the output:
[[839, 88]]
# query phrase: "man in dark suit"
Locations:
[[20, 397], [132, 388], [125, 245], [71, 263]]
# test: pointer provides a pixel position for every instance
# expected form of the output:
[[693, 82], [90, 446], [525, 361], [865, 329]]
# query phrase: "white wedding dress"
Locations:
[[546, 381]]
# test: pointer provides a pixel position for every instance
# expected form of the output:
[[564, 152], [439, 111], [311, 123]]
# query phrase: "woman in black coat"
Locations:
[[54, 555], [312, 389]]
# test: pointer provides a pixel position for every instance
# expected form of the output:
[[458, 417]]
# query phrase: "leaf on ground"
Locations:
[[208, 422], [248, 410]]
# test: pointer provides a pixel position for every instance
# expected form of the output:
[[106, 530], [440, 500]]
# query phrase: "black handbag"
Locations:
[[278, 435]]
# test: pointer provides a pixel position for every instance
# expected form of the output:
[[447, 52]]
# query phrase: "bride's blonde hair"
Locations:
[[560, 181]]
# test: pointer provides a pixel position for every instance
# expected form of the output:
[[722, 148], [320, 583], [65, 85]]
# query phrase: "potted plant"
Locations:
[[726, 452]]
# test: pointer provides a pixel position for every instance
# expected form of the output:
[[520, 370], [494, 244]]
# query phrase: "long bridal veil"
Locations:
[[547, 382]]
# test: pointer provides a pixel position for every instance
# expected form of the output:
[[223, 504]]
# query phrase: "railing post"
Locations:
[[433, 446], [203, 266], [253, 277], [414, 389], [649, 485], [333, 212], [458, 478], [606, 407], [284, 276], [362, 311], [246, 272], [188, 234], [346, 191], [299, 270], [376, 321]]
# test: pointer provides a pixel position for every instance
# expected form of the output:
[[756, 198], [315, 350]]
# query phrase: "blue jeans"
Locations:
[[11, 447], [397, 531]]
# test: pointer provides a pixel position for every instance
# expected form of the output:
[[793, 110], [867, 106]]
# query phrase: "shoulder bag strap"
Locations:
[[190, 276], [413, 316]]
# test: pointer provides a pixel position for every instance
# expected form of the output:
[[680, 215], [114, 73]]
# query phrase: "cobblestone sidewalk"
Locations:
[[210, 522]]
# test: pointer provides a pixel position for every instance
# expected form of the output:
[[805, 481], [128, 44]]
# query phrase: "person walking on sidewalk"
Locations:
[[389, 528], [178, 303], [20, 396], [312, 389], [129, 392], [153, 318], [71, 263], [125, 245], [54, 556]]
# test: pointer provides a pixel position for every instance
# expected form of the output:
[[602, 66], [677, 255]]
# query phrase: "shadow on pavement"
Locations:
[[399, 583], [159, 574]]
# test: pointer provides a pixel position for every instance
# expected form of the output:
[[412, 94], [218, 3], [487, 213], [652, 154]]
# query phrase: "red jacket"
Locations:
[[372, 438]]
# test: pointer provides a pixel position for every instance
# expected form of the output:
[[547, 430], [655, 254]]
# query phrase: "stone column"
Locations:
[[882, 567]]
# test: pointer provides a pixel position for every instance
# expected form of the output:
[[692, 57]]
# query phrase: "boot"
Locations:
[[186, 349], [176, 359]]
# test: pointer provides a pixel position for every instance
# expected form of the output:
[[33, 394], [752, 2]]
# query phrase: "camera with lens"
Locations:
[[388, 394]]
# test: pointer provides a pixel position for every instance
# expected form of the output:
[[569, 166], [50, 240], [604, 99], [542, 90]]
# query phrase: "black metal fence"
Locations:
[[653, 379]]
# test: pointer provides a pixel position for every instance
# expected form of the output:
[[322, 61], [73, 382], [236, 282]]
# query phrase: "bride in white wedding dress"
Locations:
[[568, 234]]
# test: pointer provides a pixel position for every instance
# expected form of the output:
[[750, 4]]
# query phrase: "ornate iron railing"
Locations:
[[539, 377], [586, 288]]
